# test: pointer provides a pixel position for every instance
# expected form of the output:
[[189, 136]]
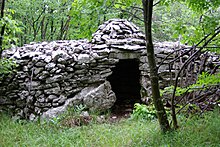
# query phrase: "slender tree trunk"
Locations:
[[161, 113], [25, 32], [66, 27], [43, 29], [51, 29], [61, 30], [3, 27]]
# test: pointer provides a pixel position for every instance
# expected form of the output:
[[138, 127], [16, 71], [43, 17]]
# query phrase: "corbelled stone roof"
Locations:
[[119, 34]]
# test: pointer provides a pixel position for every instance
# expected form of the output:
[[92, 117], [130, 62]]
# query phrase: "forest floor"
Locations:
[[194, 131]]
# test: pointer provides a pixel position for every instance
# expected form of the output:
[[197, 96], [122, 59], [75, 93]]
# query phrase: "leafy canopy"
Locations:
[[204, 19]]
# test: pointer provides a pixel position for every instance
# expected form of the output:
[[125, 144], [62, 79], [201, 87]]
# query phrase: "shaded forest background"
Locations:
[[44, 20]]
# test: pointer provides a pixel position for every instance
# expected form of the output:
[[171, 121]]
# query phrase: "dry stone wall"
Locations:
[[49, 74], [53, 76], [171, 56]]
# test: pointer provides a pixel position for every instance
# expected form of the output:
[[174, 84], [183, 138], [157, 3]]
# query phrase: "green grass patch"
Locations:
[[196, 131]]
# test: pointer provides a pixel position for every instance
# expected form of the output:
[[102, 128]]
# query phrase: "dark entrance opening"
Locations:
[[125, 83]]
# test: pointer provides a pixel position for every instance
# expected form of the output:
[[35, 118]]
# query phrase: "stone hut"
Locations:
[[109, 71]]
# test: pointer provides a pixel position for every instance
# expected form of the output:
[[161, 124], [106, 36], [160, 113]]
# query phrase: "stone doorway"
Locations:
[[125, 82]]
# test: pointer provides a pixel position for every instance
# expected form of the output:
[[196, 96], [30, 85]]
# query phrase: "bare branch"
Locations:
[[132, 14], [156, 3], [133, 7], [189, 60]]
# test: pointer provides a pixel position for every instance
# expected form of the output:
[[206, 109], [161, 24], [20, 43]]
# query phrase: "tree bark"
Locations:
[[43, 33], [161, 113], [3, 27], [51, 28]]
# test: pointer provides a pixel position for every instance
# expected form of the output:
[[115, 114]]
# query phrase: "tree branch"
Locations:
[[135, 16], [217, 31], [156, 3], [135, 7]]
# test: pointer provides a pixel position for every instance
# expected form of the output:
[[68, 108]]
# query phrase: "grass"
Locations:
[[197, 131]]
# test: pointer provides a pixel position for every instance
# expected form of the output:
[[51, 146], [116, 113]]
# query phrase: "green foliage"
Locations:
[[170, 21], [191, 109], [71, 112], [204, 81], [200, 6], [195, 131], [7, 66], [88, 15], [78, 108], [143, 112], [51, 20], [207, 79], [12, 29], [193, 20], [58, 20], [42, 19]]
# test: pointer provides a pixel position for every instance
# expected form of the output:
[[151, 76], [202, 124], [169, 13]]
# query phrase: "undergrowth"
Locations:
[[196, 131]]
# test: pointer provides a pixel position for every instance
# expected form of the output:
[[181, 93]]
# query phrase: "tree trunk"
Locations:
[[161, 113], [43, 29], [3, 27], [51, 29]]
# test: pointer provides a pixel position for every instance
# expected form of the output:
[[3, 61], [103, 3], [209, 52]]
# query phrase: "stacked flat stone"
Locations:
[[51, 73], [119, 34], [52, 76], [118, 38], [171, 50]]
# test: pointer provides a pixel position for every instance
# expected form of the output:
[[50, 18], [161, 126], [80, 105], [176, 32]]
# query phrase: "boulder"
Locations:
[[94, 98]]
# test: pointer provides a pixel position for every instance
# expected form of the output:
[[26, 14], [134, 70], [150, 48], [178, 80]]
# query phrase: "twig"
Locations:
[[135, 7]]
